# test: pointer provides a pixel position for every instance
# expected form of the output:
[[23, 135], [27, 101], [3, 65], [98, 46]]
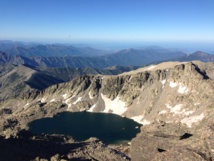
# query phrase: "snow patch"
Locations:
[[195, 104], [162, 112], [145, 122], [177, 109], [64, 96], [52, 100], [43, 100], [182, 89], [92, 108], [115, 106], [188, 113], [163, 81], [138, 119], [173, 84], [67, 100], [151, 67], [193, 119], [90, 95], [79, 99], [26, 104]]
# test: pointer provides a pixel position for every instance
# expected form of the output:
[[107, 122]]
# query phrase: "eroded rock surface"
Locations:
[[174, 102], [173, 142]]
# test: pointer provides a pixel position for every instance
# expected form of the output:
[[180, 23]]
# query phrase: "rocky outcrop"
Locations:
[[173, 142], [27, 147], [174, 101], [153, 94]]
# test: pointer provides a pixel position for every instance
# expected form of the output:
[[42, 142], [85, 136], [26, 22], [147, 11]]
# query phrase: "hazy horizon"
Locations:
[[162, 23], [186, 46]]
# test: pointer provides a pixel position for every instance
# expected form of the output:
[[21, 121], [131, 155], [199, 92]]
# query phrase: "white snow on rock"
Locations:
[[173, 84], [188, 113], [162, 112], [26, 104], [90, 95], [64, 96], [43, 100], [52, 100], [197, 103], [182, 89], [69, 106], [138, 119], [68, 99], [92, 108], [78, 100], [145, 122], [151, 67], [176, 109], [115, 106], [193, 119], [163, 81]]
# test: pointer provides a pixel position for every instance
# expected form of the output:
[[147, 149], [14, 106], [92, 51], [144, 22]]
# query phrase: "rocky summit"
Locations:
[[173, 101]]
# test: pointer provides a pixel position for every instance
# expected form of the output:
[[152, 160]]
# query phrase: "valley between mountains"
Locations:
[[172, 100]]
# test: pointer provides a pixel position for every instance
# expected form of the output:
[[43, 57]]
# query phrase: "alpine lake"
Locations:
[[109, 128]]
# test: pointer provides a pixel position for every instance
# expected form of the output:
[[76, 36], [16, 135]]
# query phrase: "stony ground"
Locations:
[[26, 147]]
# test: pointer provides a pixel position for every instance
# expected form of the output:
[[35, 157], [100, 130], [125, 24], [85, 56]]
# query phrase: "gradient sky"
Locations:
[[107, 20]]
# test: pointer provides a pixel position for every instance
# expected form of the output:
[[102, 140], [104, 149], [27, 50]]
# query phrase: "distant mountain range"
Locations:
[[198, 55], [35, 49], [128, 57]]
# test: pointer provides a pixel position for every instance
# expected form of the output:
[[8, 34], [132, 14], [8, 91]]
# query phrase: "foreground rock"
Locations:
[[55, 147], [173, 142]]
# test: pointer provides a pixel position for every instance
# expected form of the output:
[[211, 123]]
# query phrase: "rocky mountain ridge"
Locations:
[[173, 101], [16, 80]]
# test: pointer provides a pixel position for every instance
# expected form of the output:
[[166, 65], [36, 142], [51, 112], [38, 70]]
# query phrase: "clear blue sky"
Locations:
[[107, 20]]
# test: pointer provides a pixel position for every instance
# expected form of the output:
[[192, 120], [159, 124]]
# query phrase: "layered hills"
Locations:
[[173, 101], [128, 57], [16, 80], [48, 50]]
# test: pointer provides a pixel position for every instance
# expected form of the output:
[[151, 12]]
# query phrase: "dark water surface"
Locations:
[[110, 128]]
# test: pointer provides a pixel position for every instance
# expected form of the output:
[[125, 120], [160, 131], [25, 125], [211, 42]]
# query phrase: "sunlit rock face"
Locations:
[[180, 94]]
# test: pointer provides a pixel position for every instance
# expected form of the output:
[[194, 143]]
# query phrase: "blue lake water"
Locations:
[[110, 128]]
